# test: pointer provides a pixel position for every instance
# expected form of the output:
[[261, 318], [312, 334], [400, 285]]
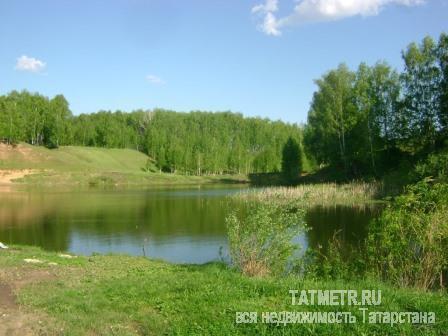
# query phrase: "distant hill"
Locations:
[[69, 165], [71, 158]]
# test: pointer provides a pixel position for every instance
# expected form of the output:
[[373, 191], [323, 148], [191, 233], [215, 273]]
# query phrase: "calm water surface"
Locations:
[[175, 224]]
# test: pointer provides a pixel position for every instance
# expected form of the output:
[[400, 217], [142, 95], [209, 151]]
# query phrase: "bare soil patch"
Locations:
[[7, 298], [8, 175], [14, 319]]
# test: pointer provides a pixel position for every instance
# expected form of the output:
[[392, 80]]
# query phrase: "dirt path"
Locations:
[[7, 299], [14, 320]]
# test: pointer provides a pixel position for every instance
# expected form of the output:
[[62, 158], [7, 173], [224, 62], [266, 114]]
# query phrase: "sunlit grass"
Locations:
[[122, 295], [317, 194], [93, 166]]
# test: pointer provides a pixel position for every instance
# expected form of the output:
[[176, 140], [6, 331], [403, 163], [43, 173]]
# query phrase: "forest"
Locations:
[[362, 123], [370, 120], [193, 143]]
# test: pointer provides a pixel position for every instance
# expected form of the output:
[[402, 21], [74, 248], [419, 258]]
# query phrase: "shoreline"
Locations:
[[129, 295]]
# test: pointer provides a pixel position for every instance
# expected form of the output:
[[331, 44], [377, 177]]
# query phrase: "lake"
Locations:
[[182, 225]]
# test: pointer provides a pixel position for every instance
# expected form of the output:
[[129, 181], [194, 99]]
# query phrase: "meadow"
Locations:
[[122, 295], [93, 166]]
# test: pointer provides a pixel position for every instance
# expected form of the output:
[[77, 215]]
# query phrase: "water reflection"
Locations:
[[178, 225], [348, 223]]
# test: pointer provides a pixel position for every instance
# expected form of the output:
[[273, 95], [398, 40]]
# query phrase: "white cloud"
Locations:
[[270, 25], [153, 79], [268, 6], [309, 11], [266, 12], [328, 10], [31, 64]]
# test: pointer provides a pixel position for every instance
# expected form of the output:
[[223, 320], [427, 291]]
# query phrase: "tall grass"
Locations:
[[317, 194], [408, 244], [261, 236]]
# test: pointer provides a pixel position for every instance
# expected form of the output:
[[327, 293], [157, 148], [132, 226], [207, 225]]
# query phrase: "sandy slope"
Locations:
[[8, 175]]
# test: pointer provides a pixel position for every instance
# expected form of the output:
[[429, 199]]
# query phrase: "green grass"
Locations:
[[72, 158], [70, 165], [121, 295]]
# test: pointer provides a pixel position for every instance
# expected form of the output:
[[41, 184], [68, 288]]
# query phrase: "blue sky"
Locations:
[[255, 57]]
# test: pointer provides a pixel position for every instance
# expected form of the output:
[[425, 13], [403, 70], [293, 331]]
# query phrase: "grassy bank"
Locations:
[[317, 194], [72, 165], [120, 295]]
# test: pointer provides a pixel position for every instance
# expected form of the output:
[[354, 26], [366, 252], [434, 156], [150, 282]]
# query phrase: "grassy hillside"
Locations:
[[71, 158], [90, 166], [120, 295]]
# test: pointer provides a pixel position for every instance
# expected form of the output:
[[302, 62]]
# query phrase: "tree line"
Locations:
[[366, 121], [361, 122], [190, 143], [34, 118]]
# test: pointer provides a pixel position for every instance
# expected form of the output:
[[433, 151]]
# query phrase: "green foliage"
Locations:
[[34, 118], [408, 244], [442, 56], [260, 237], [434, 167], [101, 180], [421, 87], [196, 143], [201, 143], [291, 160], [56, 124], [149, 166], [331, 115], [77, 165], [335, 263], [369, 121]]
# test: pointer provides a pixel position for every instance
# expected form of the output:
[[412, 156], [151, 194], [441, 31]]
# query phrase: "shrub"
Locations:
[[338, 261], [408, 244], [150, 166], [261, 236], [101, 180], [435, 167]]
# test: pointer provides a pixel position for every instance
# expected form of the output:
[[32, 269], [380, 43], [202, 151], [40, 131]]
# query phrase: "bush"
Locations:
[[434, 167], [261, 237], [101, 180], [408, 244], [150, 166]]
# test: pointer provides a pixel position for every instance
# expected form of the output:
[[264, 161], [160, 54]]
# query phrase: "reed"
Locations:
[[317, 194]]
